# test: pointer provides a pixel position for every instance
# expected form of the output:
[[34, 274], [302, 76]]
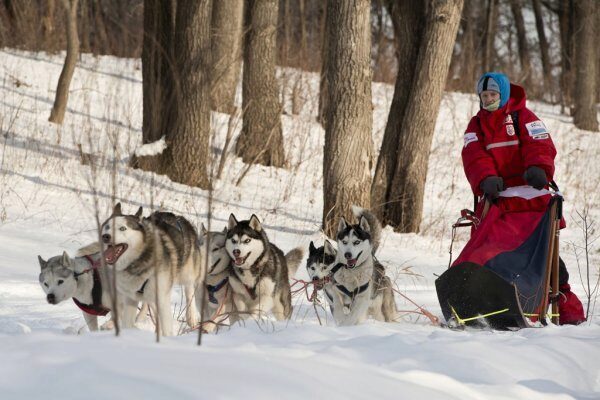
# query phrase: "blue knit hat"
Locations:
[[497, 82]]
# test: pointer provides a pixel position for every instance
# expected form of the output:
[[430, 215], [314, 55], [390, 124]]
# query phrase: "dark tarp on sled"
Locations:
[[502, 270]]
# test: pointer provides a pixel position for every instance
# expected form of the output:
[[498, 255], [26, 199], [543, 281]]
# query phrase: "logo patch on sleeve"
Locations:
[[470, 137], [510, 130], [537, 130]]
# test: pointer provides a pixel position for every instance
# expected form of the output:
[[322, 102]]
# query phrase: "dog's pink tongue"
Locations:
[[110, 254], [352, 262], [239, 261]]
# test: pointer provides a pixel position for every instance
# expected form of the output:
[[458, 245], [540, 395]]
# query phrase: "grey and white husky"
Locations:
[[151, 255], [361, 287], [81, 279], [218, 295], [260, 270]]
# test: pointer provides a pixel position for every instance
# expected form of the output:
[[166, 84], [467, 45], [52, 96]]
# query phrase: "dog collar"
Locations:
[[336, 268], [214, 289], [352, 294]]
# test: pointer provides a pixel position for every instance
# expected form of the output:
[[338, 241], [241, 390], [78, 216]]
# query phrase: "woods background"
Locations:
[[192, 53]]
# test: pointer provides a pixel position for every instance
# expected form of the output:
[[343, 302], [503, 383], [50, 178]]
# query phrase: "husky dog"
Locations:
[[260, 271], [218, 293], [151, 255], [361, 286], [79, 278], [319, 265]]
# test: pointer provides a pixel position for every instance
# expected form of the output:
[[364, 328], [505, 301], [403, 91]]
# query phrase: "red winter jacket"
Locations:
[[493, 148]]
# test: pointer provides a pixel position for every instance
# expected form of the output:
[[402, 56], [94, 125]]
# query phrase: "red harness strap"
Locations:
[[96, 308]]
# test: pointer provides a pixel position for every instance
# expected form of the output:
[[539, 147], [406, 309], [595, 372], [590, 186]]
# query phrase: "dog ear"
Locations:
[[364, 224], [225, 230], [232, 223], [342, 225], [43, 264], [203, 230], [138, 213], [311, 247], [117, 209], [66, 260], [255, 223], [328, 248]]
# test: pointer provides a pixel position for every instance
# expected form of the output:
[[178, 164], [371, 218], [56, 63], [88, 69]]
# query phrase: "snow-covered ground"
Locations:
[[47, 205]]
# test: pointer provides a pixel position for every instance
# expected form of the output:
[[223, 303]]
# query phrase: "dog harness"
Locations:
[[96, 308], [214, 289], [352, 294]]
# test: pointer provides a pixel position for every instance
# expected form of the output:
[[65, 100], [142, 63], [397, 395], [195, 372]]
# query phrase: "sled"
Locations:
[[506, 287]]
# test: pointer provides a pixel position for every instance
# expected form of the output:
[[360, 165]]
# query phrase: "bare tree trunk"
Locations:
[[539, 23], [585, 115], [470, 54], [323, 84], [84, 24], [565, 16], [378, 39], [102, 42], [490, 33], [62, 90], [227, 34], [303, 43], [524, 57], [158, 82], [408, 18], [48, 21], [435, 51], [186, 159], [261, 140], [348, 143]]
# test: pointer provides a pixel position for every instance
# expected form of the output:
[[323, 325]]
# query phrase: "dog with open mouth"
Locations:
[[360, 285], [152, 254], [260, 271]]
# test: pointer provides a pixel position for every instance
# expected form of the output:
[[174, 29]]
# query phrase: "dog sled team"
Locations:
[[234, 274], [239, 273]]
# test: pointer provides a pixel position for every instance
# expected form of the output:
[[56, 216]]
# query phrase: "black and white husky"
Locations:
[[319, 265], [360, 286], [82, 279], [150, 256], [260, 270]]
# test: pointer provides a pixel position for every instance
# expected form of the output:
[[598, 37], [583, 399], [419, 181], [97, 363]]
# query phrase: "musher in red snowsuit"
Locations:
[[498, 155]]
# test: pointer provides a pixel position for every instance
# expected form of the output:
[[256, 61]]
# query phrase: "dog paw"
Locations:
[[107, 326], [346, 310], [192, 322], [209, 327]]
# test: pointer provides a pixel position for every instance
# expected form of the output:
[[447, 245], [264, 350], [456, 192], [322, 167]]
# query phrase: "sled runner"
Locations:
[[507, 273]]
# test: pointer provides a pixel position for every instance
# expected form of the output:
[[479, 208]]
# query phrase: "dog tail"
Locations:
[[373, 223], [293, 260], [88, 250]]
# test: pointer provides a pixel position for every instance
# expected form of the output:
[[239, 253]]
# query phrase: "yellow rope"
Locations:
[[462, 321], [537, 315]]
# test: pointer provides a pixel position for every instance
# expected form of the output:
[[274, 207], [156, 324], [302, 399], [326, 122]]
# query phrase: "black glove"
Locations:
[[492, 185], [536, 177]]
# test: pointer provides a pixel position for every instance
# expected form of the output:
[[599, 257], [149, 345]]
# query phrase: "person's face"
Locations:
[[489, 96]]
